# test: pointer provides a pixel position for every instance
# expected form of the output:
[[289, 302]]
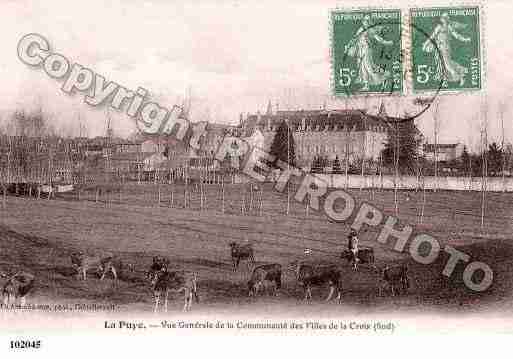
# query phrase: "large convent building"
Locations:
[[347, 134]]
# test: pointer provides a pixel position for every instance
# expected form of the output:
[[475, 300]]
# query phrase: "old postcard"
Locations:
[[179, 170]]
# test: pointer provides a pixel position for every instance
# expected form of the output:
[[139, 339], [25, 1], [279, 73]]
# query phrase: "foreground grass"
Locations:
[[39, 235]]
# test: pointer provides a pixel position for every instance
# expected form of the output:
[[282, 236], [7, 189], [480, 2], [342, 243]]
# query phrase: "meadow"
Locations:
[[134, 223]]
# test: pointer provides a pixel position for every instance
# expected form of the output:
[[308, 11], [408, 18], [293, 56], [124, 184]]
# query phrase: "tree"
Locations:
[[477, 164], [403, 141], [316, 166], [508, 153], [465, 162], [167, 151], [283, 147], [494, 159], [323, 162], [319, 163], [336, 165]]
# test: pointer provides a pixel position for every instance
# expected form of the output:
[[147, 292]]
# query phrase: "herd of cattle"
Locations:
[[308, 275], [163, 281]]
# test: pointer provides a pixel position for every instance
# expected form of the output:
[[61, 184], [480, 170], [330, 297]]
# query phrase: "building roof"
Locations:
[[430, 147], [340, 120], [129, 156]]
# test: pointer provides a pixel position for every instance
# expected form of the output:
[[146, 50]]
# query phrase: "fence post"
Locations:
[[201, 179], [186, 191]]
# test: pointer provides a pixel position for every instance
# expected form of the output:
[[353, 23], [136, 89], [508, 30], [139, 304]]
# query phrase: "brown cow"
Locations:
[[395, 277], [17, 286], [309, 275], [266, 272], [241, 251], [83, 262], [163, 282]]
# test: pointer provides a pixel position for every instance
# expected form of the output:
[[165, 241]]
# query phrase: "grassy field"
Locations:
[[445, 213], [39, 235]]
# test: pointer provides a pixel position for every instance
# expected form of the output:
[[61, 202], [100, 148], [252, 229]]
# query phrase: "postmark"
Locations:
[[366, 52], [451, 55]]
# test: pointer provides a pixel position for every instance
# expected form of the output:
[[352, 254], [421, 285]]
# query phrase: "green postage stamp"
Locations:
[[366, 52], [446, 49]]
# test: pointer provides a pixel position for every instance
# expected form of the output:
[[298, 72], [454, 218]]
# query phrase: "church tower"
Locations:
[[382, 110], [269, 110]]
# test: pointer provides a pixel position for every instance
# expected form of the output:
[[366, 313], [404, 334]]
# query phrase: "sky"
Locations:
[[231, 57]]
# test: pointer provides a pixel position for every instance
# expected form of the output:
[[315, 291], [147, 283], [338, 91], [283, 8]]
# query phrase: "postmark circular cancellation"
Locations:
[[372, 55]]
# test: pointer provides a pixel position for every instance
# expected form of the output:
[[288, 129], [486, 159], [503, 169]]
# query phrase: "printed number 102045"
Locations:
[[25, 344]]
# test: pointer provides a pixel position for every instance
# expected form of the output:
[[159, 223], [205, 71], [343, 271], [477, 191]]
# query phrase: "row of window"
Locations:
[[322, 129], [318, 149]]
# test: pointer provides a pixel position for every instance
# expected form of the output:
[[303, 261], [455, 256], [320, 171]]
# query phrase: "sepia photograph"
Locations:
[[312, 170]]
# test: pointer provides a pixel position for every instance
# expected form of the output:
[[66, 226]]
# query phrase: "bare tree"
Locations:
[[502, 109], [436, 128], [484, 146]]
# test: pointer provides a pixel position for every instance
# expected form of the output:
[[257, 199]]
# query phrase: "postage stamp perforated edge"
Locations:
[[482, 50], [407, 89], [333, 91]]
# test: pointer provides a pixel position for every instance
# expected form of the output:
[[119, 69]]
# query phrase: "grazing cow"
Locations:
[[395, 277], [164, 281], [309, 275], [365, 255], [241, 251], [266, 272], [17, 286], [83, 263]]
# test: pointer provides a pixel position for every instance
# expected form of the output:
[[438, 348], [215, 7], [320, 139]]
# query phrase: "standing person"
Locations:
[[353, 247]]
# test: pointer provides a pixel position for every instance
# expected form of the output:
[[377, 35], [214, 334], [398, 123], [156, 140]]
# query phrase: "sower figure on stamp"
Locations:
[[352, 245], [360, 47], [445, 58]]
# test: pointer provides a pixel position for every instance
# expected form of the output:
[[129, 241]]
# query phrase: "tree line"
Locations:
[[402, 153]]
